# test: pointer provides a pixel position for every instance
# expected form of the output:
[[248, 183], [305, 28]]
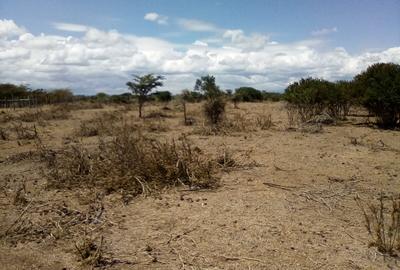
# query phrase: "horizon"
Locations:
[[95, 46]]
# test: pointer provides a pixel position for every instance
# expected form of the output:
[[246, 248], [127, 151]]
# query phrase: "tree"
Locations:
[[142, 86], [163, 96], [248, 94], [214, 107], [207, 85], [380, 84]]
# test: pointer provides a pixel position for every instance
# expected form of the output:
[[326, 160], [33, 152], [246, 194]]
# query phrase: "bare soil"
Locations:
[[288, 204]]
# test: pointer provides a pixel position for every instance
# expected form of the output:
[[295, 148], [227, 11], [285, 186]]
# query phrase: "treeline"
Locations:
[[42, 96], [377, 89]]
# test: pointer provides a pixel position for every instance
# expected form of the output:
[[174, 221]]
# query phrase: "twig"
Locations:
[[279, 186], [19, 217], [241, 258]]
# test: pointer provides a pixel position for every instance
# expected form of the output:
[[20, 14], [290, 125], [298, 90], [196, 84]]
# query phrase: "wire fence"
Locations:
[[18, 103]]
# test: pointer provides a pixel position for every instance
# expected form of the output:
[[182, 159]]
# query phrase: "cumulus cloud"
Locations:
[[8, 28], [155, 17], [101, 60], [324, 31]]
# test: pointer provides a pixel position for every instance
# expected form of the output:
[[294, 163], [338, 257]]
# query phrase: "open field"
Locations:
[[284, 198]]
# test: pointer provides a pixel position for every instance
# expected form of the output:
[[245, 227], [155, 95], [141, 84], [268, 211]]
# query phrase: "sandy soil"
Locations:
[[289, 205]]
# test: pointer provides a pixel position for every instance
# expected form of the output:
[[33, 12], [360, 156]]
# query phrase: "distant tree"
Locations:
[[102, 97], [142, 86], [208, 87], [61, 95], [248, 94], [8, 91], [272, 96], [163, 96], [380, 85]]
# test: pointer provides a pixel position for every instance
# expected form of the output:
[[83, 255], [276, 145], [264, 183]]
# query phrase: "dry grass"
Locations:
[[264, 121], [133, 164], [103, 124], [383, 224], [4, 134]]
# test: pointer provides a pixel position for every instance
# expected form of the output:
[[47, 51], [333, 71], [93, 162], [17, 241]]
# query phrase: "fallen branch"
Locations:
[[280, 186]]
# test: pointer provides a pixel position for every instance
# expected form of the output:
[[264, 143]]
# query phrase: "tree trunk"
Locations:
[[184, 112], [140, 107]]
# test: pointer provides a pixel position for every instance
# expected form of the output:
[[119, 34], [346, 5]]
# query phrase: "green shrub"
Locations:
[[310, 97], [380, 85]]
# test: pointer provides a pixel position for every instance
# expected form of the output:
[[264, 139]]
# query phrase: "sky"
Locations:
[[96, 45]]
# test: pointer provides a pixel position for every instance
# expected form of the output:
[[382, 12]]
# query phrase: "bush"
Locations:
[[381, 86], [214, 110], [310, 97]]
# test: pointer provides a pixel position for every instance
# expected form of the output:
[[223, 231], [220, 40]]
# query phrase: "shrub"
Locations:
[[103, 124], [214, 110], [310, 97], [381, 86], [4, 134], [383, 224]]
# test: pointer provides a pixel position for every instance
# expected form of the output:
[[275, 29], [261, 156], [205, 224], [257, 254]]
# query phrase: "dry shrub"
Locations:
[[239, 123], [103, 124], [264, 121], [132, 163], [157, 114], [59, 112], [6, 117], [89, 252], [84, 105], [38, 222], [225, 159], [31, 115], [383, 224], [155, 126], [24, 132]]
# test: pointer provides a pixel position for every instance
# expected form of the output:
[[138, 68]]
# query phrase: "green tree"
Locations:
[[208, 87], [142, 86], [163, 96], [248, 94], [380, 84], [214, 107]]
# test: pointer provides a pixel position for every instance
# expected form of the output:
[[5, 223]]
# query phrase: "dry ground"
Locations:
[[288, 205]]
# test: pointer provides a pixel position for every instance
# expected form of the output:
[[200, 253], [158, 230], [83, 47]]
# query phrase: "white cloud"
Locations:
[[197, 25], [104, 60], [324, 31], [155, 17], [70, 27], [8, 28], [200, 43]]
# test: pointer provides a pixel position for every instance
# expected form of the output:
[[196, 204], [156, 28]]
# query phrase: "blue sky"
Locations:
[[329, 39]]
